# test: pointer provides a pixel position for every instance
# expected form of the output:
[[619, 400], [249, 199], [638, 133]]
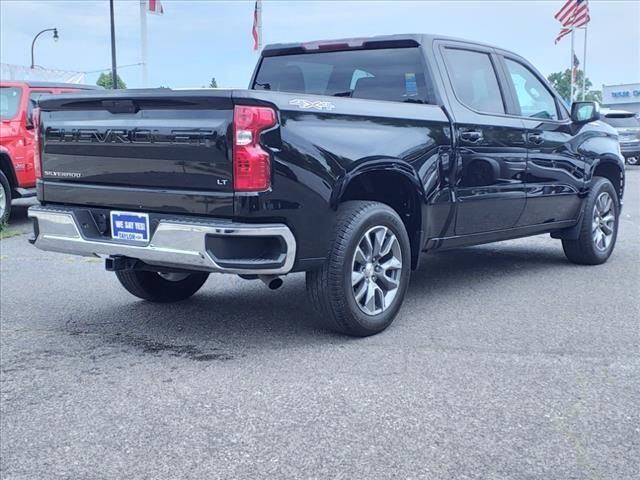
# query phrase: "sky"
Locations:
[[198, 39]]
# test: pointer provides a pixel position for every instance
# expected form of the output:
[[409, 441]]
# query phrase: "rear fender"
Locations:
[[371, 164], [410, 207]]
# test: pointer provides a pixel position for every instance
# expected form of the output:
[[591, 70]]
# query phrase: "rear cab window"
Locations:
[[395, 75]]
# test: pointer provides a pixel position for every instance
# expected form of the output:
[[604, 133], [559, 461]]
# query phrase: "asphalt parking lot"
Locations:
[[506, 362]]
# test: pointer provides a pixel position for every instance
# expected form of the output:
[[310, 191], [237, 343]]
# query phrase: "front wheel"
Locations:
[[360, 288], [161, 287], [599, 228]]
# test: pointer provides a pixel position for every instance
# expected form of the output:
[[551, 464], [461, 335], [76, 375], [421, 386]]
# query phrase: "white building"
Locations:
[[622, 97]]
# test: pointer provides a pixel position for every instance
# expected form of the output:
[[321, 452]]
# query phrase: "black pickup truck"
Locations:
[[344, 159]]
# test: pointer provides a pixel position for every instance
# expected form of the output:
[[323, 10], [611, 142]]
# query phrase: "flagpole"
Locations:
[[584, 64], [143, 42], [114, 68], [571, 68], [259, 8]]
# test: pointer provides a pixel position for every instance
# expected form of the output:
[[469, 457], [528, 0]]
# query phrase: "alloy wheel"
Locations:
[[173, 276], [603, 224], [376, 270]]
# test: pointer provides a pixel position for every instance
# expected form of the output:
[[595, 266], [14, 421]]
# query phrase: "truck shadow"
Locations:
[[441, 271], [18, 220], [229, 316]]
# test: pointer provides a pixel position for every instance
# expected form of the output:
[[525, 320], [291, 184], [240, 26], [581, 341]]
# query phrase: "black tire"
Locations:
[[584, 250], [5, 199], [155, 288], [330, 288]]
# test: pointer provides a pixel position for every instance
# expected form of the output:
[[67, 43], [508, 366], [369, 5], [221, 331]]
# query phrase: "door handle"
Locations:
[[535, 138], [471, 136]]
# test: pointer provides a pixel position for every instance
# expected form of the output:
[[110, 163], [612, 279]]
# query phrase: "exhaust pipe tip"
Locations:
[[272, 282]]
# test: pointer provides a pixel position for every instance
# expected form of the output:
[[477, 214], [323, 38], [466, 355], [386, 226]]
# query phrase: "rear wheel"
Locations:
[[599, 228], [5, 199], [161, 287], [360, 288]]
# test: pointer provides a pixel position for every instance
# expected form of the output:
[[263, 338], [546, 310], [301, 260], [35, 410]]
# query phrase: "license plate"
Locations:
[[130, 226]]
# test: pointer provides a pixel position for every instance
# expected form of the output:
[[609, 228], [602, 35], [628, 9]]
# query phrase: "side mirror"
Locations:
[[585, 112]]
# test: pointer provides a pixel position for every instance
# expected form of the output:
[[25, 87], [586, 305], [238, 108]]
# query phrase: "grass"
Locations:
[[6, 232]]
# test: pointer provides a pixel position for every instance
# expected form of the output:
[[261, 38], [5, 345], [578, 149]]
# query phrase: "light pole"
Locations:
[[114, 68], [33, 44]]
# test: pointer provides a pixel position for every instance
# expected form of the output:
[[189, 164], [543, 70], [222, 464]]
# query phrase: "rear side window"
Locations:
[[474, 80], [533, 97], [384, 74], [35, 95]]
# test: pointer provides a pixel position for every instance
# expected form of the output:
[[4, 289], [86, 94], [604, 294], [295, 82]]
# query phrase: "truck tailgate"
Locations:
[[152, 149]]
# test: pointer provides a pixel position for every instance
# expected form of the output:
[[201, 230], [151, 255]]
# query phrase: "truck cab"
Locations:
[[17, 100]]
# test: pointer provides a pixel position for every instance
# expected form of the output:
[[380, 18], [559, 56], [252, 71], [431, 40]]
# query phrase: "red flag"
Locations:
[[155, 7], [256, 31]]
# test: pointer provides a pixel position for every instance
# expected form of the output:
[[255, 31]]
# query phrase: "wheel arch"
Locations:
[[6, 165], [394, 183], [611, 169]]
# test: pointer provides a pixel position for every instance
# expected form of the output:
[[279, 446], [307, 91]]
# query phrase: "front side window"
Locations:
[[533, 97], [474, 80], [9, 102], [382, 74]]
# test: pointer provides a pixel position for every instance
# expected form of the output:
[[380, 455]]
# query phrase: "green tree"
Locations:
[[561, 81], [213, 83], [106, 80]]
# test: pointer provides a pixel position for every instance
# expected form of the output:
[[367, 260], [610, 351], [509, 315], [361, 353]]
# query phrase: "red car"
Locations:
[[17, 99]]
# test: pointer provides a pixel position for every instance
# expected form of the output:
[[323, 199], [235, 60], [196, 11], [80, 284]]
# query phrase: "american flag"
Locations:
[[574, 69], [573, 14], [154, 6], [256, 31]]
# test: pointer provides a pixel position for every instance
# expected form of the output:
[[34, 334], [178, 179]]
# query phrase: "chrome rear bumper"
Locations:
[[180, 243]]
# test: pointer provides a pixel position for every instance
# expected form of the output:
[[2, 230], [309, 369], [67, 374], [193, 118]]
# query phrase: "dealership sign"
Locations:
[[629, 93], [625, 93]]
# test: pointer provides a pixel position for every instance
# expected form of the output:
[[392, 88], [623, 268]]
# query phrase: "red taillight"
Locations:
[[251, 164], [37, 165]]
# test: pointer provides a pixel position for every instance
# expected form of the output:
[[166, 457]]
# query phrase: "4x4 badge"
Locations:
[[312, 104]]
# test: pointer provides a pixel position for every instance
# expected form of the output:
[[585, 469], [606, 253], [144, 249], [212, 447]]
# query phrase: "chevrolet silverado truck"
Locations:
[[17, 172], [344, 159]]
